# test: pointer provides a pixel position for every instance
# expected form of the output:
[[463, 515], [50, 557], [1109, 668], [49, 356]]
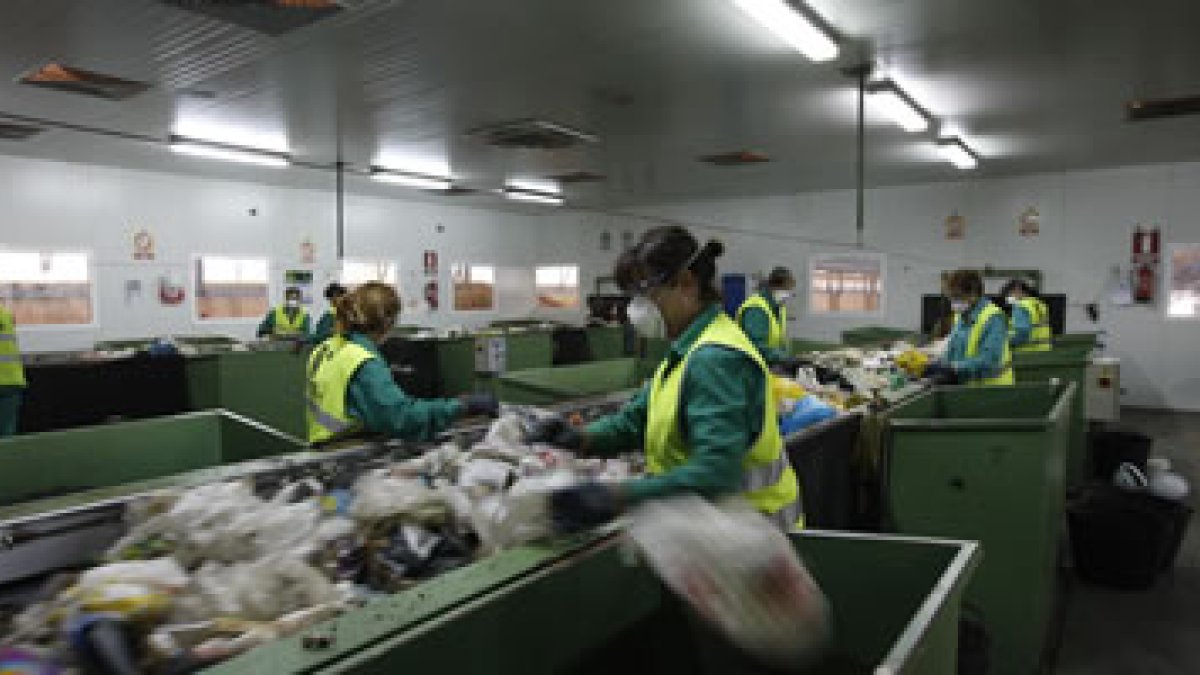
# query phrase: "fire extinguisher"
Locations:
[[1145, 259], [1143, 283]]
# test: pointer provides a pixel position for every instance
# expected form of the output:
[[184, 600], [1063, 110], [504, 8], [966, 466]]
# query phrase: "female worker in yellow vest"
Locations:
[[706, 421], [977, 350], [12, 375], [1029, 326], [288, 320], [350, 387], [763, 316]]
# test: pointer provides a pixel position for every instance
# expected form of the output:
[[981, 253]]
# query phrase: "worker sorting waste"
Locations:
[[1030, 321], [977, 351], [350, 387], [763, 316], [286, 321], [12, 374], [707, 419]]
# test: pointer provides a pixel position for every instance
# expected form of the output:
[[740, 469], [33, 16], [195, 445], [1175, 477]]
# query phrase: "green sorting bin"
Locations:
[[987, 463], [545, 386], [606, 342], [53, 463], [868, 336], [531, 348], [1064, 365], [456, 365], [136, 344], [894, 600], [267, 386]]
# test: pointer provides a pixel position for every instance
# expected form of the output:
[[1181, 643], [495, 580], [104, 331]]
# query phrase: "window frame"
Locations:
[[396, 284], [495, 300], [195, 289], [814, 262], [93, 290], [578, 286], [1167, 281]]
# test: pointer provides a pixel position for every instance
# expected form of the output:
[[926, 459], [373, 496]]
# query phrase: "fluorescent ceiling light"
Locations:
[[229, 153], [412, 180], [520, 195], [898, 107], [956, 152], [793, 27]]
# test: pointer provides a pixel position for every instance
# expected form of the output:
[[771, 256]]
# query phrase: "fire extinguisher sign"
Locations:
[[1145, 254]]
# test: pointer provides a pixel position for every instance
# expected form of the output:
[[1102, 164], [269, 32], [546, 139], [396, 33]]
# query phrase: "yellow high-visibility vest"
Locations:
[[777, 336], [1039, 335], [1005, 377], [286, 327], [12, 372], [330, 368]]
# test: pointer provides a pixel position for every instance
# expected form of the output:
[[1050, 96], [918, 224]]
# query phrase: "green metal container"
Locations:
[[545, 386], [456, 365], [987, 463], [557, 609], [606, 342], [867, 336], [136, 344], [34, 466], [533, 348], [265, 386], [1064, 365]]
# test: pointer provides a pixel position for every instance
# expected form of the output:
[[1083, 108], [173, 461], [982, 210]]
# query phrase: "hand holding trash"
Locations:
[[583, 506], [482, 404], [555, 431]]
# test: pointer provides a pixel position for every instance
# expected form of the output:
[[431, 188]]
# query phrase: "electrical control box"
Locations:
[[1102, 389], [491, 354]]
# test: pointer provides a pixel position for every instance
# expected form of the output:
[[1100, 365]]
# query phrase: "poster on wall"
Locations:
[[308, 252], [1030, 223], [431, 295], [143, 245], [431, 262], [171, 291], [303, 280], [956, 226]]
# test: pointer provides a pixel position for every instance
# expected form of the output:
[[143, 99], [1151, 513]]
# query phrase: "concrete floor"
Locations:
[[1154, 632]]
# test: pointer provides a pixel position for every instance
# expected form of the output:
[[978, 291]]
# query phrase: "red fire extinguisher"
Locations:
[[1145, 258], [1143, 283]]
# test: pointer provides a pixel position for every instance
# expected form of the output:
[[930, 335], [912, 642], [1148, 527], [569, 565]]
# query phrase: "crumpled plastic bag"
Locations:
[[163, 573], [262, 590], [507, 431], [736, 570], [519, 516], [380, 497]]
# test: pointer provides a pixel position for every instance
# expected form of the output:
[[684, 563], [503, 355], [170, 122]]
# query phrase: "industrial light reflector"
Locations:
[[534, 196], [956, 152], [898, 107], [412, 180], [227, 152], [793, 27]]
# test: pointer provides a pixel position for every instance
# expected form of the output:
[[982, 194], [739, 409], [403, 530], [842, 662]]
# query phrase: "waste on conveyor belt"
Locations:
[[206, 573]]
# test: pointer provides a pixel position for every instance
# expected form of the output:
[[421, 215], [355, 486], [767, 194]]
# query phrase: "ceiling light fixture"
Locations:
[[956, 152], [898, 106], [791, 25], [534, 196], [231, 153], [412, 180]]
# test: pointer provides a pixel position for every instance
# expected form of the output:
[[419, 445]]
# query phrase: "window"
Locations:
[[358, 272], [474, 286], [557, 286], [845, 284], [44, 288], [1183, 279], [232, 288]]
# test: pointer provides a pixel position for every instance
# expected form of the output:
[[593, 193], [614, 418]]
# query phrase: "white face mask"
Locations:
[[959, 306], [646, 318], [782, 296], [1012, 299], [292, 303]]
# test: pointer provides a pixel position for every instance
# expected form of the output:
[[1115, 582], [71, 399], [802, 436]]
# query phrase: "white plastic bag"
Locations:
[[377, 497], [738, 571], [520, 516]]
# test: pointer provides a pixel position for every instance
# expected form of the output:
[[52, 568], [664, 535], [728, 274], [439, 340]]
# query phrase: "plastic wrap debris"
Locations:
[[805, 413], [379, 497], [164, 573], [520, 516], [261, 590], [508, 431], [738, 571]]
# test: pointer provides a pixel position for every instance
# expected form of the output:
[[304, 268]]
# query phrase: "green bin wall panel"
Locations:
[[606, 342], [1064, 366], [63, 462], [895, 604], [264, 386], [456, 365], [529, 349], [544, 386], [877, 335], [987, 464]]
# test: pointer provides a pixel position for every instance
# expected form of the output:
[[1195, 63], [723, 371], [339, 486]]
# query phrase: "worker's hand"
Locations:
[[584, 506], [480, 404], [556, 431], [940, 373]]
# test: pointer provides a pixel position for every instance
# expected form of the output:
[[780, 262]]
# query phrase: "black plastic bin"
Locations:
[[1124, 539], [821, 456], [1110, 449]]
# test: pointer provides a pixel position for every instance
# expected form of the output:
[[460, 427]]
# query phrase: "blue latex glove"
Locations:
[[584, 506], [555, 431], [480, 403]]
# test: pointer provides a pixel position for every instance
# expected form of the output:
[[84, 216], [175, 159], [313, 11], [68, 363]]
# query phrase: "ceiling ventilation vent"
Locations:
[[738, 158], [1141, 111], [576, 177], [272, 17], [531, 134], [85, 82], [18, 132]]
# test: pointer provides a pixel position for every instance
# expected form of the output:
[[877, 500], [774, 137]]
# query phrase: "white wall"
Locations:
[[60, 205], [1087, 219]]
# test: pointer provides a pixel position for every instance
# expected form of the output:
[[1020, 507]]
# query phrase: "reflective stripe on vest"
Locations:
[[1039, 333], [330, 369], [285, 327], [1005, 376], [768, 481], [778, 325], [12, 372]]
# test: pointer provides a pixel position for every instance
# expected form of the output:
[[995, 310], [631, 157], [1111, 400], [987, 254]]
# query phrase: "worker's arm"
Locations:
[[267, 327], [621, 431], [384, 408], [757, 326], [989, 361], [723, 397], [306, 326], [324, 329], [1022, 325]]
